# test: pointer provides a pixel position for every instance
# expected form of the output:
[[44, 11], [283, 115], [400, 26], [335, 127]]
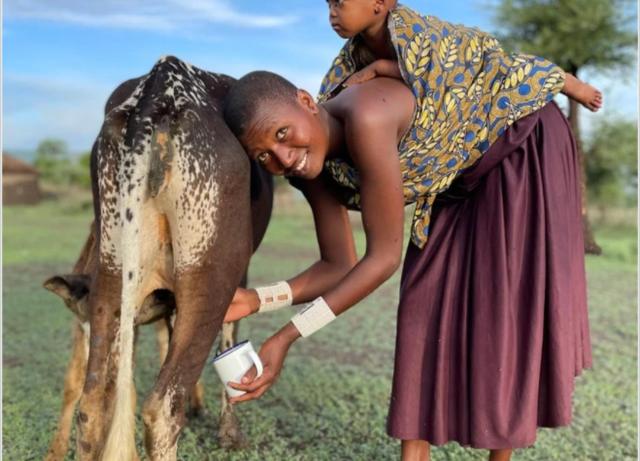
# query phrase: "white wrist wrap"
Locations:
[[312, 317], [274, 297]]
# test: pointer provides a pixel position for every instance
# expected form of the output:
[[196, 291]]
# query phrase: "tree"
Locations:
[[51, 148], [52, 161], [81, 175], [611, 163], [576, 35], [57, 167]]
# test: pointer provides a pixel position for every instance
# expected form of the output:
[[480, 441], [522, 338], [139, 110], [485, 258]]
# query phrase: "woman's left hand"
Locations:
[[272, 354], [245, 302]]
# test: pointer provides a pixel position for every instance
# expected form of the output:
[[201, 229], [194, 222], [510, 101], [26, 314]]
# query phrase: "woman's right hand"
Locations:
[[245, 302], [272, 355]]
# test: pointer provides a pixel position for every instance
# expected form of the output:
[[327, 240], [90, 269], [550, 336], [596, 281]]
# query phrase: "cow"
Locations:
[[178, 209], [73, 289], [159, 308]]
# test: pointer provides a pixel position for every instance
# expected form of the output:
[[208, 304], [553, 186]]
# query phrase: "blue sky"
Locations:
[[62, 58]]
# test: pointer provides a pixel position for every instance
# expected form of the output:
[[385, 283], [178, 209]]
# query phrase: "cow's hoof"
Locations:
[[56, 453], [196, 412], [229, 435]]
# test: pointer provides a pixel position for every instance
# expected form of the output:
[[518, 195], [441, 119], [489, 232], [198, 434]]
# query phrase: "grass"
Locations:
[[331, 400]]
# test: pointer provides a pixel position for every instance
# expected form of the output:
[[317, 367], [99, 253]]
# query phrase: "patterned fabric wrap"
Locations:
[[468, 91]]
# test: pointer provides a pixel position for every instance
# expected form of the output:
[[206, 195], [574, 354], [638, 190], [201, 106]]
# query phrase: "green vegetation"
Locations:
[[574, 34], [57, 167], [331, 400], [612, 168], [598, 35]]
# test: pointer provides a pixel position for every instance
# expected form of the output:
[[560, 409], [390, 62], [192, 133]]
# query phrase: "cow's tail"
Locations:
[[143, 182]]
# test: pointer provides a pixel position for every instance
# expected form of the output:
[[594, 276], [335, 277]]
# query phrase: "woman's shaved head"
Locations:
[[249, 95]]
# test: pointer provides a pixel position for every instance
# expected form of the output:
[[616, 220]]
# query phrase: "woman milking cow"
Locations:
[[492, 319]]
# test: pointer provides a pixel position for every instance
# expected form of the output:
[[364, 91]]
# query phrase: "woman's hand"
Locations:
[[272, 354], [245, 302]]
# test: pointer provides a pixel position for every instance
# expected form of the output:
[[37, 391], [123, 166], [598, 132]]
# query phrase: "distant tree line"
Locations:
[[610, 153], [58, 167]]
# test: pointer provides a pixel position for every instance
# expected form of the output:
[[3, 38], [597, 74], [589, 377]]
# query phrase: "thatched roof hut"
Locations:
[[19, 182]]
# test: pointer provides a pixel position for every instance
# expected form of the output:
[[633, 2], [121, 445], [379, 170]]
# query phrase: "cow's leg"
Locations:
[[229, 433], [196, 396], [162, 338], [73, 382], [196, 401], [198, 319], [98, 395]]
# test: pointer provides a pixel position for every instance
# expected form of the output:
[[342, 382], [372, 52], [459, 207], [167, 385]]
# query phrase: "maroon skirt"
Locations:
[[492, 322]]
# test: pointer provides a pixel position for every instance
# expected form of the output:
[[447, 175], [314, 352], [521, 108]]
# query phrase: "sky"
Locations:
[[62, 58]]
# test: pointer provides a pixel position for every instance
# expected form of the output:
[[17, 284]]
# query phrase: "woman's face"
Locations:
[[288, 138]]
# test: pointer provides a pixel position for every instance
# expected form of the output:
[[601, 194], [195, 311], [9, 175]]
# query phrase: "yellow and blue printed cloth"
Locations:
[[468, 90]]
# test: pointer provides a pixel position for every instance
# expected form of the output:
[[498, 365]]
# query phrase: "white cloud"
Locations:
[[161, 15], [220, 11], [36, 108], [124, 21]]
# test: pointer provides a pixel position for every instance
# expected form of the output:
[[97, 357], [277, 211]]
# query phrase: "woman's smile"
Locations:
[[300, 166]]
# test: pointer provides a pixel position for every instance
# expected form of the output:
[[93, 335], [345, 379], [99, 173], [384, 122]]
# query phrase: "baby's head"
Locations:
[[277, 124], [349, 18]]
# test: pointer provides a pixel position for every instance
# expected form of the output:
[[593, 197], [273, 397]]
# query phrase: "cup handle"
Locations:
[[258, 363]]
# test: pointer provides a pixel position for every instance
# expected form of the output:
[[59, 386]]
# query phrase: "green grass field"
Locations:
[[331, 400]]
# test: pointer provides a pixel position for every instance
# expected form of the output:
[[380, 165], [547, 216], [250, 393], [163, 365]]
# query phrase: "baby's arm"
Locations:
[[379, 68], [387, 68], [582, 92]]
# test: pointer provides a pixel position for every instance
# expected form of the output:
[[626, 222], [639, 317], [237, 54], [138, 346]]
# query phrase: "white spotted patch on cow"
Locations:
[[196, 180], [165, 427], [120, 441], [193, 215], [86, 329]]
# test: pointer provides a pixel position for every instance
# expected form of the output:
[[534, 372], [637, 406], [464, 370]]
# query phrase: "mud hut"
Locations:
[[19, 182]]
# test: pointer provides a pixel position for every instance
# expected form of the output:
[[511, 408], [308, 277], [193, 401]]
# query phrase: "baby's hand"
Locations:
[[379, 68], [368, 73]]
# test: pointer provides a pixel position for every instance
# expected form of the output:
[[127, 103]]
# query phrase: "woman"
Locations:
[[493, 306]]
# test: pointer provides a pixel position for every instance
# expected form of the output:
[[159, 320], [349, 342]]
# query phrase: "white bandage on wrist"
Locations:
[[312, 317], [274, 297]]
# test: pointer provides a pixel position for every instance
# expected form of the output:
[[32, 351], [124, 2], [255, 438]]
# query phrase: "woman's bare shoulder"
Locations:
[[378, 101]]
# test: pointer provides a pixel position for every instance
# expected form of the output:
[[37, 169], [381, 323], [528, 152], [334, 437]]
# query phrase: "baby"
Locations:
[[365, 22]]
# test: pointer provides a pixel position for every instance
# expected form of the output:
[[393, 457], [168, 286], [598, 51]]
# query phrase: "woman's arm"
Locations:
[[335, 242], [372, 138], [337, 253]]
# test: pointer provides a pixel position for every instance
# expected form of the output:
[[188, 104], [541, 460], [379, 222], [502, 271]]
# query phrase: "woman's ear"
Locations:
[[307, 101], [384, 6]]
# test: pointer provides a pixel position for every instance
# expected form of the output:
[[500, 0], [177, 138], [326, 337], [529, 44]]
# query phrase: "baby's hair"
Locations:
[[248, 95]]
